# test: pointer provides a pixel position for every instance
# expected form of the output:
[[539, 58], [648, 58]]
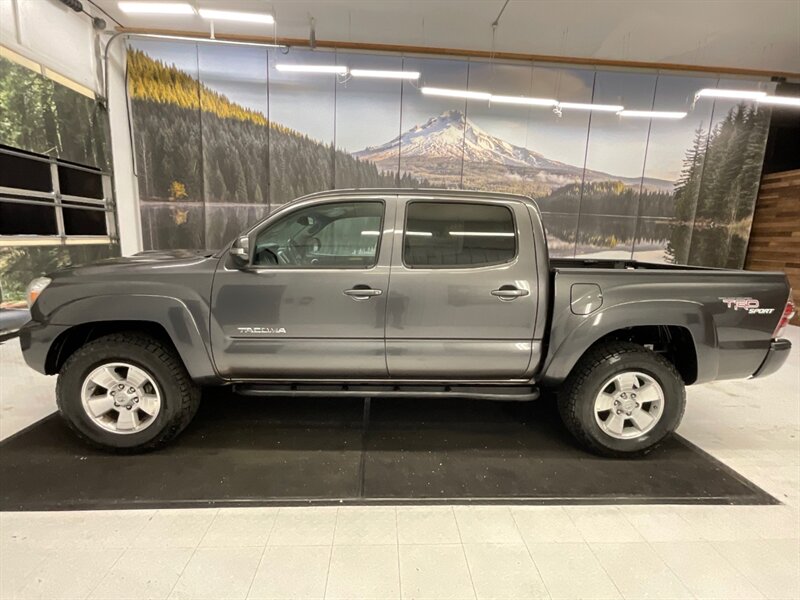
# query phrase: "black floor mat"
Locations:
[[242, 451]]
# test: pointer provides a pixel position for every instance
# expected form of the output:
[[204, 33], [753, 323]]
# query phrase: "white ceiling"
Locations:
[[751, 34]]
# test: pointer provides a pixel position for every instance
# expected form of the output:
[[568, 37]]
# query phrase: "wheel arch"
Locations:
[[683, 332], [68, 341], [674, 342], [167, 318]]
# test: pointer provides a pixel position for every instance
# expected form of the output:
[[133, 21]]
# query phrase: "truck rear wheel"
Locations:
[[126, 392], [622, 399]]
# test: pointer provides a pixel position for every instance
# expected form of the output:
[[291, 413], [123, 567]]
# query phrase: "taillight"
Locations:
[[788, 313]]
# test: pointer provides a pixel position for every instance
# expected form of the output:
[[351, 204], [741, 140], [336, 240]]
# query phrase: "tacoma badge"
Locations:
[[261, 330]]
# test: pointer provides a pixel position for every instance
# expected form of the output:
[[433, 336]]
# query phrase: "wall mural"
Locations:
[[42, 116], [39, 115], [223, 137]]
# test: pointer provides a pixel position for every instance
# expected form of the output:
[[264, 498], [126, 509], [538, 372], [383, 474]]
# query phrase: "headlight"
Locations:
[[35, 288]]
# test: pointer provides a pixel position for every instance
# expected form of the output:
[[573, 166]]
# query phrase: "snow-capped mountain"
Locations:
[[450, 135]]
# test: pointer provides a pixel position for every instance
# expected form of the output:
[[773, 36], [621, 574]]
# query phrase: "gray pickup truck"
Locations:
[[397, 292]]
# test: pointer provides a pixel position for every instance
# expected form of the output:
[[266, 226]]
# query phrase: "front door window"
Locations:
[[332, 235]]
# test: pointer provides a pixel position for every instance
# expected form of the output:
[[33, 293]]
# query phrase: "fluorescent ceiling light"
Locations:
[[653, 114], [780, 100], [231, 15], [384, 74], [738, 94], [600, 107], [524, 100], [432, 91], [481, 234], [156, 8], [336, 69], [205, 40], [420, 233], [370, 232]]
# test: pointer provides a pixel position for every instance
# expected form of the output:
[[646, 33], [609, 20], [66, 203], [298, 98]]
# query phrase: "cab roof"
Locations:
[[421, 192]]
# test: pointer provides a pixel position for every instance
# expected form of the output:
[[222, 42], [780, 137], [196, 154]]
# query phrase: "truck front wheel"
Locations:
[[622, 399], [126, 392]]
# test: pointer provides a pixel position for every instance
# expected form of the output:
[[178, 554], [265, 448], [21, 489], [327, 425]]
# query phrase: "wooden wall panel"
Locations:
[[775, 236]]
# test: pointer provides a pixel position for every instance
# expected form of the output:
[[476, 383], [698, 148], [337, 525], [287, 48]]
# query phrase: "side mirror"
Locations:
[[240, 251]]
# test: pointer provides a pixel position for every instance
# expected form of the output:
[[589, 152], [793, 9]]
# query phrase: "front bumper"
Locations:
[[776, 355], [35, 339]]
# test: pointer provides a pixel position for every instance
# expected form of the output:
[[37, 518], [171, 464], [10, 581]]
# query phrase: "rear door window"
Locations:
[[458, 235]]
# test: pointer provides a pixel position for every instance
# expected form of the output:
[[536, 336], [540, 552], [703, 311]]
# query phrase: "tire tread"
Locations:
[[569, 395], [189, 392]]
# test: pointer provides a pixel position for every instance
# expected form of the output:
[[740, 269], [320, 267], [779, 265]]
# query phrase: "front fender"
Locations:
[[573, 334], [177, 319]]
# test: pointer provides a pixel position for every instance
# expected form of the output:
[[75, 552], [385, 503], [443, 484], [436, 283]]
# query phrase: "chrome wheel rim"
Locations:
[[629, 405], [121, 398]]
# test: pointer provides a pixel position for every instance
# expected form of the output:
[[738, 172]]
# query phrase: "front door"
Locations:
[[463, 293], [314, 297]]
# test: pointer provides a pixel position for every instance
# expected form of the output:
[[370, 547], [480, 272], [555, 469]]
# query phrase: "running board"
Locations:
[[522, 393]]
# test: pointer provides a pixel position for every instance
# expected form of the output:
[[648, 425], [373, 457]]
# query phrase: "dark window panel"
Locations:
[[24, 173], [27, 219], [77, 182], [448, 234], [78, 221]]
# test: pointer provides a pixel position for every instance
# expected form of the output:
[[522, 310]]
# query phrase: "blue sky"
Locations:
[[362, 112]]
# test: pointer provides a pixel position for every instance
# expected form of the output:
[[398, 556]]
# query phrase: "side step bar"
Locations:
[[305, 390]]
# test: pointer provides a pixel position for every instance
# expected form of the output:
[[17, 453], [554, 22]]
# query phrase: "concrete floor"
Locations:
[[634, 552]]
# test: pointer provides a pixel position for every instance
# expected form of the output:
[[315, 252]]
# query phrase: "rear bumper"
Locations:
[[776, 355]]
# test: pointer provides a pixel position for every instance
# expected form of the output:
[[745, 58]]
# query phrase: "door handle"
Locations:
[[362, 293], [509, 292]]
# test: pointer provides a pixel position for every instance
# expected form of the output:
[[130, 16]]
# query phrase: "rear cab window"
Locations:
[[458, 235]]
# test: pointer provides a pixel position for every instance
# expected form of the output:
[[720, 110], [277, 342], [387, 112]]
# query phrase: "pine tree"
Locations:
[[686, 188]]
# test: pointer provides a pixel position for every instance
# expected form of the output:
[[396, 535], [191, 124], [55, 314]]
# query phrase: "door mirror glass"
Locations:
[[240, 251], [305, 220]]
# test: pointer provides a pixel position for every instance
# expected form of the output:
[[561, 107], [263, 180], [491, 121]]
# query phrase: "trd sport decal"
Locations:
[[750, 305]]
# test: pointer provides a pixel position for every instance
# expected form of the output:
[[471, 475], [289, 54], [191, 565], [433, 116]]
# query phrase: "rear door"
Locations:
[[462, 296], [313, 301]]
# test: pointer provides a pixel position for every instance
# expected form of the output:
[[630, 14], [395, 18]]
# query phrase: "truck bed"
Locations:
[[730, 314], [614, 263]]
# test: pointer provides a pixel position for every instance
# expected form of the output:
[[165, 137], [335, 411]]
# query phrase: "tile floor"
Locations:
[[632, 552]]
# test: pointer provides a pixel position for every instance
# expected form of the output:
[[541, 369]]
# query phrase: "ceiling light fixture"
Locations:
[[599, 107], [432, 91], [156, 8], [384, 74], [335, 69], [481, 234], [204, 40], [780, 100], [524, 100], [653, 114], [231, 15], [734, 94]]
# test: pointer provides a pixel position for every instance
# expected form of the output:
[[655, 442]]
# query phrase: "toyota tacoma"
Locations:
[[400, 293]]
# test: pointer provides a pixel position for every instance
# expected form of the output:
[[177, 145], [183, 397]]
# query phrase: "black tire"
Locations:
[[577, 396], [180, 395]]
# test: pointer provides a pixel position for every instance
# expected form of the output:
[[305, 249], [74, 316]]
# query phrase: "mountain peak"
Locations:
[[452, 115], [452, 135], [453, 118]]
